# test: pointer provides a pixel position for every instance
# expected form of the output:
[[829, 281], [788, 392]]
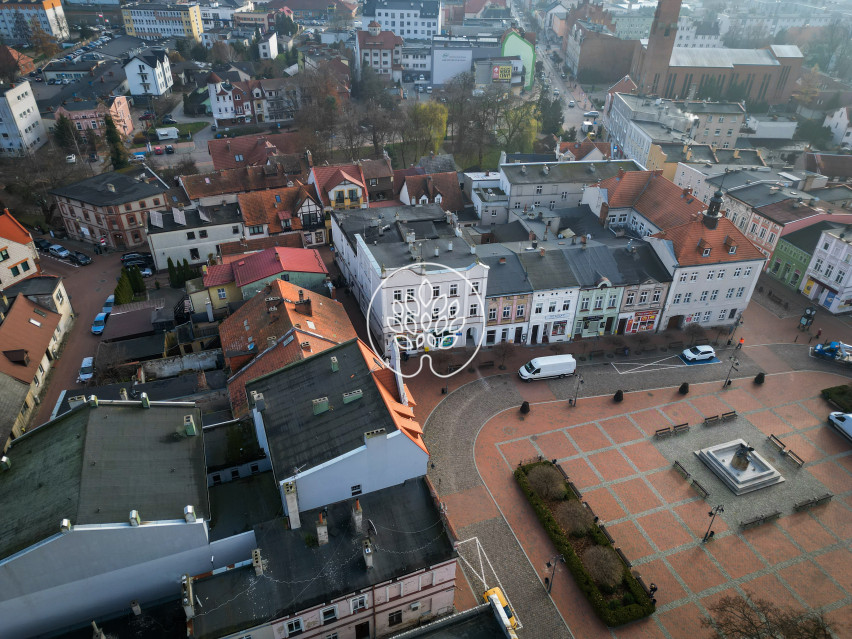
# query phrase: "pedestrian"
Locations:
[[819, 332], [740, 343]]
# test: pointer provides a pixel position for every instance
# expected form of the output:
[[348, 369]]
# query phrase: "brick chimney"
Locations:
[[322, 531], [357, 517], [303, 306], [620, 173]]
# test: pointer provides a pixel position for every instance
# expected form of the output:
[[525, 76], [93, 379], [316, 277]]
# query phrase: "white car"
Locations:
[[842, 422], [698, 354], [87, 370], [71, 159]]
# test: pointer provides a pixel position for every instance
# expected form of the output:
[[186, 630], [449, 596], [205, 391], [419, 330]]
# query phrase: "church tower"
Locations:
[[652, 64]]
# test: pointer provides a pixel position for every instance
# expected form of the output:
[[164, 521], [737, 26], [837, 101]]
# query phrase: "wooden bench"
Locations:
[[751, 523], [795, 458], [823, 499], [606, 532], [814, 501], [777, 442], [489, 364], [624, 558], [641, 581], [593, 354], [680, 428], [731, 414], [701, 490], [679, 468], [710, 420], [663, 432], [771, 516], [575, 490], [591, 512]]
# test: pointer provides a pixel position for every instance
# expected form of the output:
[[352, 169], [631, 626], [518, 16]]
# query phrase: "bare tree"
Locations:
[[748, 618], [350, 132], [503, 350]]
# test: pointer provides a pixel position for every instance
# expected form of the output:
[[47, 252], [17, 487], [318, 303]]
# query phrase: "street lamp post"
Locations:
[[734, 363], [552, 565], [580, 380], [712, 514]]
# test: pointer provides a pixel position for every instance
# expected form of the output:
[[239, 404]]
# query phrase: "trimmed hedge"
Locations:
[[840, 395], [616, 616]]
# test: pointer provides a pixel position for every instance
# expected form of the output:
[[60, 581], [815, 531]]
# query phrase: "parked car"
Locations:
[[80, 259], [52, 81], [571, 104], [57, 250], [99, 324], [698, 354], [146, 116], [591, 114], [42, 245], [108, 304], [146, 272], [140, 256], [169, 120], [71, 159], [170, 149], [548, 367], [158, 150], [842, 422], [87, 370], [212, 127]]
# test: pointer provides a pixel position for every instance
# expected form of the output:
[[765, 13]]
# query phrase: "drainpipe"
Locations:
[[373, 602]]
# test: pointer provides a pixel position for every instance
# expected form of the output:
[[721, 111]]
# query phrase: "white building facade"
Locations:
[[840, 124], [21, 127], [149, 73], [410, 20], [828, 278]]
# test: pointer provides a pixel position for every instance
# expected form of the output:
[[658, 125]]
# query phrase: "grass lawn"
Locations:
[[490, 159]]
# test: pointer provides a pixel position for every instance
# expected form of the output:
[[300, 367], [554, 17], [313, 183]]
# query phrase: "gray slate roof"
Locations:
[[127, 188], [408, 536], [806, 239], [216, 215], [507, 278], [299, 439], [580, 172], [547, 272], [95, 465]]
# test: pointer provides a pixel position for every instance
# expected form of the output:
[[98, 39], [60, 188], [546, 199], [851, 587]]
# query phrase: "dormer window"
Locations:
[[732, 250], [705, 252]]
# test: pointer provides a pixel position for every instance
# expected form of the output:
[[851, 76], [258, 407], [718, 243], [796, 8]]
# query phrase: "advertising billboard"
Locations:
[[501, 73], [448, 63]]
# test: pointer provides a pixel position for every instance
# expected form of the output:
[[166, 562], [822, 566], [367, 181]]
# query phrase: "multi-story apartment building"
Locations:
[[253, 101], [191, 234], [267, 46], [407, 19], [35, 316], [508, 296], [149, 73], [21, 128], [714, 270], [259, 18], [646, 288], [840, 124], [89, 115], [554, 296], [152, 21], [379, 50], [18, 17], [794, 252], [637, 124], [18, 256], [554, 185], [828, 279], [111, 209], [218, 14], [412, 276]]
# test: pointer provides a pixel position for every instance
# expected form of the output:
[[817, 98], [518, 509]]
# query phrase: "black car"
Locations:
[[169, 120], [42, 245], [143, 258], [79, 258], [140, 264]]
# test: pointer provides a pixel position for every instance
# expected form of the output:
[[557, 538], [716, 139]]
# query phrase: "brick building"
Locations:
[[764, 75]]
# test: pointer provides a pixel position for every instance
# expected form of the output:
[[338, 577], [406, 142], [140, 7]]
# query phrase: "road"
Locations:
[[87, 287], [572, 117]]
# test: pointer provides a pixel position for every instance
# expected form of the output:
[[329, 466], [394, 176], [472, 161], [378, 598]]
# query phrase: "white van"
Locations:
[[547, 367]]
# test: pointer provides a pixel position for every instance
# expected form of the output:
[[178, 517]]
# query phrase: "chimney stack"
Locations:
[[146, 403], [322, 531], [122, 394], [292, 501], [368, 553], [541, 252], [357, 517]]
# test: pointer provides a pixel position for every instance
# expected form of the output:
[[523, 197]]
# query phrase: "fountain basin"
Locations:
[[757, 474]]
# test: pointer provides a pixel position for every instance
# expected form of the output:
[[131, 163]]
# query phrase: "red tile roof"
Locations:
[[385, 40], [329, 325], [380, 168], [25, 335], [217, 275], [328, 177], [13, 59], [399, 176], [253, 149], [690, 239], [269, 262], [243, 247], [625, 85], [12, 230], [249, 178], [272, 206], [581, 149], [444, 184], [659, 200]]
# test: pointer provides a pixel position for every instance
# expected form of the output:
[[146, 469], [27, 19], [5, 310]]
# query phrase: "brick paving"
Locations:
[[477, 436]]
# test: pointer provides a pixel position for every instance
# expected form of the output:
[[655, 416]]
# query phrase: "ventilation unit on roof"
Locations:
[[306, 346], [352, 396], [320, 405]]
